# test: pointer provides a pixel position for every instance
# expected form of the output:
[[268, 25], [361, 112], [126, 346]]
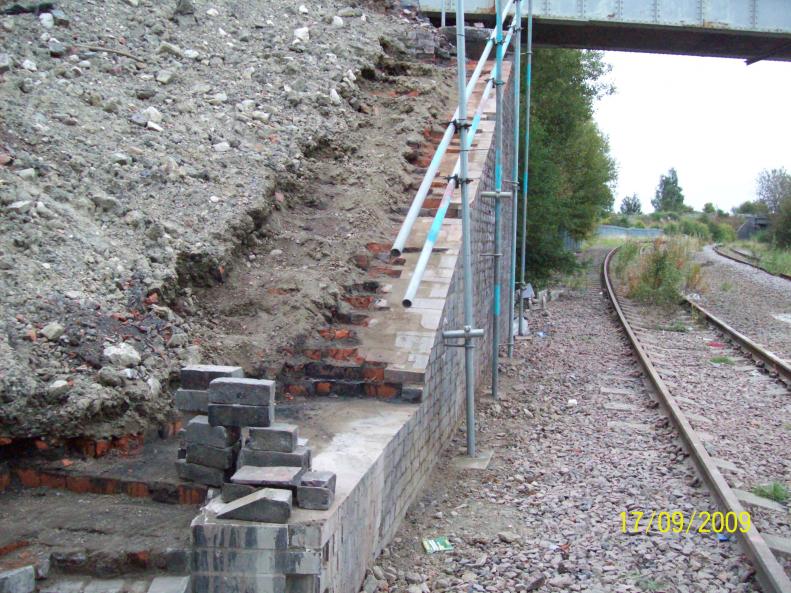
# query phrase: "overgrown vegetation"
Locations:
[[773, 259], [659, 272], [720, 359], [571, 171], [776, 491]]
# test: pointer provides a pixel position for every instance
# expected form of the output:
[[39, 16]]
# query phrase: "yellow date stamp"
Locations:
[[635, 522]]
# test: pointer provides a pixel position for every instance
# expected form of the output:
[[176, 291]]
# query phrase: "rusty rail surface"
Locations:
[[744, 260]]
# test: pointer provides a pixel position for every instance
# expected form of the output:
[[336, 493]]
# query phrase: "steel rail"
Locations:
[[425, 186], [769, 572], [770, 360], [719, 251]]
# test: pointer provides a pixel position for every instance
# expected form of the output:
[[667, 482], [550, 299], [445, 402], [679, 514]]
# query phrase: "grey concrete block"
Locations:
[[303, 583], [319, 479], [211, 533], [412, 393], [267, 505], [169, 585], [201, 432], [201, 474], [236, 583], [198, 376], [192, 400], [105, 586], [299, 458], [314, 499], [278, 437], [287, 562], [270, 476], [304, 535], [221, 458], [18, 580], [235, 415], [231, 492], [246, 392], [70, 586]]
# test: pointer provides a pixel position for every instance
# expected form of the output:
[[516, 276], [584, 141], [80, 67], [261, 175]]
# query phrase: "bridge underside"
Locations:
[[752, 30], [752, 47]]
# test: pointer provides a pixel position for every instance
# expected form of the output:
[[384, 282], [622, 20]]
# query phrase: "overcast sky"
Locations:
[[717, 121]]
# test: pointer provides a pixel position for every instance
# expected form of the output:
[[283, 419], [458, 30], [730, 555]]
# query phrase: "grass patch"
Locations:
[[721, 360], [726, 286], [648, 584], [659, 272], [775, 491], [773, 259], [675, 326]]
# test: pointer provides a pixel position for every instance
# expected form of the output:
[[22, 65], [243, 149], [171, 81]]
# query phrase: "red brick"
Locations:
[[15, 545], [296, 390], [5, 480], [29, 477], [52, 480], [378, 247], [191, 494], [41, 445], [137, 490], [342, 334], [140, 559], [79, 484], [359, 301], [312, 354], [323, 388], [362, 261], [374, 374], [101, 447]]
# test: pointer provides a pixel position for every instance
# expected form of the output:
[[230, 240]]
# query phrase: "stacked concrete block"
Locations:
[[237, 555], [193, 396], [209, 452], [316, 490], [241, 402]]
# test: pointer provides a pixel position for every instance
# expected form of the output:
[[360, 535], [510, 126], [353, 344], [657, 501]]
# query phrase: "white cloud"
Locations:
[[717, 121]]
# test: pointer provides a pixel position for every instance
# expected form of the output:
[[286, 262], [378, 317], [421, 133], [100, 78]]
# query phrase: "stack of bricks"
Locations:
[[272, 470]]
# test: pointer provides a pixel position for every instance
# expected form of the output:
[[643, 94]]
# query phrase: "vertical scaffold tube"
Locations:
[[516, 75], [469, 358], [498, 186], [525, 183]]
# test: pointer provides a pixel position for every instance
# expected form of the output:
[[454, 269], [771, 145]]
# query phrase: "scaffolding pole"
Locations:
[[516, 74], [525, 184]]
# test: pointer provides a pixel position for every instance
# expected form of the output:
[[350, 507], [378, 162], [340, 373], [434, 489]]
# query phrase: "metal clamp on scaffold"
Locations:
[[457, 124], [466, 333]]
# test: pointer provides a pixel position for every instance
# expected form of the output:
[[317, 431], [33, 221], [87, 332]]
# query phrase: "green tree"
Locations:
[[571, 171], [781, 223], [709, 208], [669, 197], [749, 207], [774, 186], [631, 205]]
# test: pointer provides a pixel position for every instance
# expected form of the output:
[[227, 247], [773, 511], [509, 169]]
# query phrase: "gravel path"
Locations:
[[753, 302], [577, 440]]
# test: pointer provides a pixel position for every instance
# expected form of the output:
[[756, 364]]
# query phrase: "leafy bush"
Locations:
[[721, 232], [693, 228], [661, 273]]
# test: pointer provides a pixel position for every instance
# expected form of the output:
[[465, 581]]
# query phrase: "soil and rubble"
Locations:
[[188, 180]]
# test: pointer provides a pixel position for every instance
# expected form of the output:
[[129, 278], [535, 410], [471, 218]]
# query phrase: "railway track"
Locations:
[[725, 397], [743, 258]]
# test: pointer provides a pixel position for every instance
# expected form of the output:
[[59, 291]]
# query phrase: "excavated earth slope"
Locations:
[[186, 181]]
